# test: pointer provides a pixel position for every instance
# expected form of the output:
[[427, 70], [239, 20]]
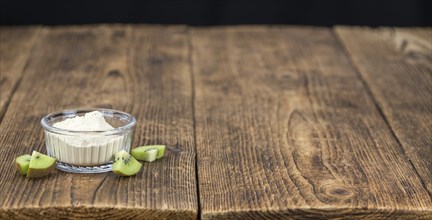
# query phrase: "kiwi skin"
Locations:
[[35, 173]]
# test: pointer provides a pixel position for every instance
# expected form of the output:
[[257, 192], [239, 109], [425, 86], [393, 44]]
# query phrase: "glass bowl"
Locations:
[[81, 151]]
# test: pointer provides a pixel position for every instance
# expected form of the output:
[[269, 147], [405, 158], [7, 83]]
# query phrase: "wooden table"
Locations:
[[261, 122]]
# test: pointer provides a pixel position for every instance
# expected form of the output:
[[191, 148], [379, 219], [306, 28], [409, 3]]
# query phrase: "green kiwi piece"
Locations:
[[125, 165], [40, 165], [141, 153], [22, 163]]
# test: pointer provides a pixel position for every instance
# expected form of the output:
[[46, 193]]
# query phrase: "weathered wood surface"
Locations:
[[289, 122], [121, 67], [16, 44], [286, 129], [397, 66]]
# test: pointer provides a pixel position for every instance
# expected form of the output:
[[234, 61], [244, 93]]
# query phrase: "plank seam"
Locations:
[[190, 50], [18, 83], [341, 45]]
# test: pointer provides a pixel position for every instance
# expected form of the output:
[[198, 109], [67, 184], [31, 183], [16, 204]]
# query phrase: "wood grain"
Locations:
[[397, 66], [142, 70], [15, 47], [286, 129]]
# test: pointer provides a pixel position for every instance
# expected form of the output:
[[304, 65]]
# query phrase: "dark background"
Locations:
[[224, 12]]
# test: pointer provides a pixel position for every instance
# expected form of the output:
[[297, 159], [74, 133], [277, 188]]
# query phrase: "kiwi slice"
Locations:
[[40, 165], [146, 152], [22, 163], [125, 164]]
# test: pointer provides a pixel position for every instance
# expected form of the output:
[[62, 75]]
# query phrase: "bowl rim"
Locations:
[[115, 131]]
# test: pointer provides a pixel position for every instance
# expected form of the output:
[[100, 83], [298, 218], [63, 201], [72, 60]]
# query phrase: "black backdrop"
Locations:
[[223, 12]]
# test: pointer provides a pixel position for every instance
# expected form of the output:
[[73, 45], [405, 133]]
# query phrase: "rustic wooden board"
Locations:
[[142, 70], [397, 66], [15, 47], [286, 129]]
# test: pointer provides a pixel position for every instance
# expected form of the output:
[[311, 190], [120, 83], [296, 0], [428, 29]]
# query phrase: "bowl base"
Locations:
[[83, 169]]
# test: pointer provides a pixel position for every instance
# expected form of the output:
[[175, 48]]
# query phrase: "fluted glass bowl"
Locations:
[[87, 151]]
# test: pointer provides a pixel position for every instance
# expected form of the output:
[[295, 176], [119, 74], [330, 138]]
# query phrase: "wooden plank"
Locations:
[[15, 47], [397, 66], [142, 70], [285, 129]]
